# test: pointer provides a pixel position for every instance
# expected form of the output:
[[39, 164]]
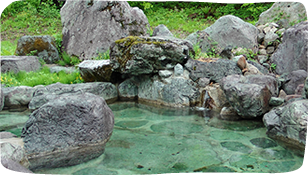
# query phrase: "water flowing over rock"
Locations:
[[283, 13], [249, 99], [43, 47], [41, 96], [134, 56], [292, 53], [89, 27], [68, 130], [288, 123], [215, 70], [19, 63], [225, 32]]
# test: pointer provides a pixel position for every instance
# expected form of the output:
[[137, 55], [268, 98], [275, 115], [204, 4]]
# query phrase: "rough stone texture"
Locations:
[[288, 123], [12, 165], [44, 45], [249, 100], [89, 27], [292, 12], [299, 90], [165, 73], [179, 92], [292, 53], [144, 55], [226, 31], [214, 98], [68, 130], [1, 99], [12, 148], [162, 30], [6, 135], [305, 94], [275, 101], [17, 97], [270, 37], [128, 89], [19, 63], [95, 70], [178, 70], [203, 82], [41, 96], [260, 68], [215, 71], [292, 80], [270, 82]]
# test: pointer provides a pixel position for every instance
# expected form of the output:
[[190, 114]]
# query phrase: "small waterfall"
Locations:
[[206, 99]]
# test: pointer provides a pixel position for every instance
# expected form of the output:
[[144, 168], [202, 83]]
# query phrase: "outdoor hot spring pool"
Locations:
[[151, 140]]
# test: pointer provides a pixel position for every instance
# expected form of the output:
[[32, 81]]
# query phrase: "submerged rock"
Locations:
[[67, 130]]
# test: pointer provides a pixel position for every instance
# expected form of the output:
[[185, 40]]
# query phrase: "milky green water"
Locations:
[[149, 140]]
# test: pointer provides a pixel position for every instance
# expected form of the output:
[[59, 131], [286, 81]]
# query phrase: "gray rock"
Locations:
[[275, 101], [72, 129], [145, 55], [89, 27], [44, 46], [6, 135], [270, 38], [41, 96], [292, 80], [19, 63], [165, 73], [292, 53], [265, 80], [288, 123], [203, 82], [12, 149], [260, 37], [261, 68], [284, 14], [1, 99], [305, 93], [179, 92], [249, 100], [270, 49], [178, 70], [128, 89], [215, 71], [17, 97], [96, 70], [162, 30], [12, 165], [226, 31], [299, 90], [214, 98]]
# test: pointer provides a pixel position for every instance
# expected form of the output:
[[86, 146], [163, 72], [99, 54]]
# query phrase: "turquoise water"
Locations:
[[150, 140]]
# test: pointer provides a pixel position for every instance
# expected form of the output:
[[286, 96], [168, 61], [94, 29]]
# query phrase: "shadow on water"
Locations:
[[155, 140]]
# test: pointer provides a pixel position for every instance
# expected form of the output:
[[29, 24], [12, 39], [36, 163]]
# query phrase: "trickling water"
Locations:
[[150, 140]]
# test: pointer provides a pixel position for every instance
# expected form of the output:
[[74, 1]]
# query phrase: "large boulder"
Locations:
[[285, 14], [225, 32], [177, 92], [292, 53], [145, 55], [288, 123], [250, 99], [292, 80], [17, 97], [43, 95], [68, 130], [89, 27], [215, 70], [214, 97], [9, 167], [43, 47], [19, 63]]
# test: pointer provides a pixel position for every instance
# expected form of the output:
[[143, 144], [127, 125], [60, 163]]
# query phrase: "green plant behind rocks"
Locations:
[[68, 60], [42, 77]]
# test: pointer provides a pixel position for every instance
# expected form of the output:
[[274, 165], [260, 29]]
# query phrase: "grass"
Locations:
[[41, 77]]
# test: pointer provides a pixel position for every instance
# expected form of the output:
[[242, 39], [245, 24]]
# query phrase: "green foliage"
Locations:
[[42, 77], [8, 48], [273, 66], [68, 60], [32, 53], [248, 52], [103, 55]]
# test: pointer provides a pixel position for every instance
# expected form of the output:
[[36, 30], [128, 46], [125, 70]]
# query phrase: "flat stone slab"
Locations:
[[19, 63]]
